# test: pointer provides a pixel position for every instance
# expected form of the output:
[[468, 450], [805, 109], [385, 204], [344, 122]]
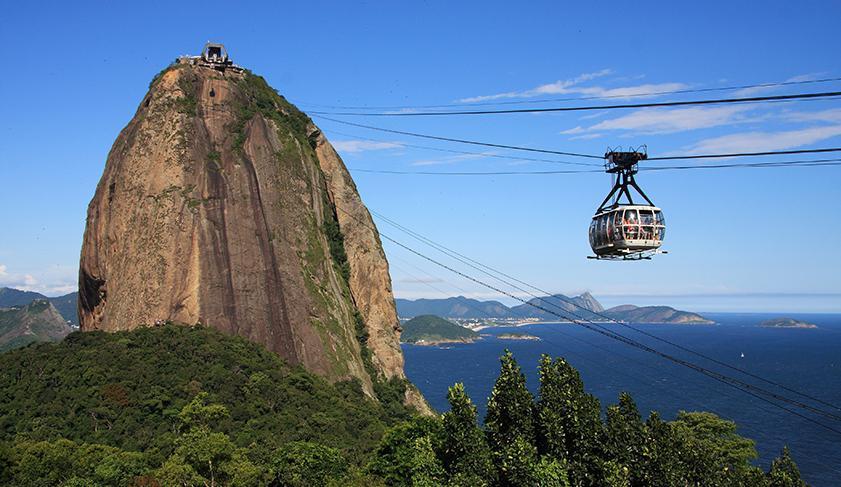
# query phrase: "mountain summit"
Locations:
[[222, 204]]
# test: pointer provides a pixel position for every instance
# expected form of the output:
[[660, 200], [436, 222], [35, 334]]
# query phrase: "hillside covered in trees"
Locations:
[[433, 329], [175, 405]]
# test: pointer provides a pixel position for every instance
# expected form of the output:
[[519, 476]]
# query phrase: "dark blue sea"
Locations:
[[808, 360]]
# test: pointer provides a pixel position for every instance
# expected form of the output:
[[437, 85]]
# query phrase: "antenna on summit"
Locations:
[[214, 56]]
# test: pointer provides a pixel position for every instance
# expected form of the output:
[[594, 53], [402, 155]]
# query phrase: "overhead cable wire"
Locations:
[[580, 98], [470, 153], [567, 351], [779, 164], [453, 253], [573, 154], [622, 106], [461, 141], [742, 386], [745, 154], [484, 269], [735, 383]]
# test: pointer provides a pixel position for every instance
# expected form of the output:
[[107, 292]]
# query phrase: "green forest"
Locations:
[[190, 406]]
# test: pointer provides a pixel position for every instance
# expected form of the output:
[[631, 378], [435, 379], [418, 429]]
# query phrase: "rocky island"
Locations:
[[786, 323], [517, 336], [434, 330], [655, 315]]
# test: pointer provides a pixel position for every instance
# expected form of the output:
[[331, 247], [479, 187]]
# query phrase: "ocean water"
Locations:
[[808, 360]]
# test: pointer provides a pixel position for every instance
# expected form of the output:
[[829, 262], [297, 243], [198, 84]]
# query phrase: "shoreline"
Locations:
[[602, 322]]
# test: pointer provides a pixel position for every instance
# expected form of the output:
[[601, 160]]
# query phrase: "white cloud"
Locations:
[[355, 146], [765, 141], [832, 115], [758, 90], [664, 121], [572, 87], [558, 87], [586, 137], [578, 129], [62, 280], [452, 159]]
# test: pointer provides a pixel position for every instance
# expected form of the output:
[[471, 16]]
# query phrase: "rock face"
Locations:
[[222, 204], [37, 321]]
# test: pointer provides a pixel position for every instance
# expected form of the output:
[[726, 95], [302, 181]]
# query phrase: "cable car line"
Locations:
[[742, 386], [736, 383], [582, 98], [470, 262], [460, 141], [802, 163], [574, 154], [458, 256], [624, 106], [746, 154], [559, 345], [454, 151]]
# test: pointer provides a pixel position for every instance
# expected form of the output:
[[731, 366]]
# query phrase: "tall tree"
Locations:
[[465, 453], [626, 436], [406, 454], [714, 454], [509, 425], [569, 425], [661, 460], [784, 472]]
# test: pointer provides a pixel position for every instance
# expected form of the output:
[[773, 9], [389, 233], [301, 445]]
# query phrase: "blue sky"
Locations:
[[739, 239]]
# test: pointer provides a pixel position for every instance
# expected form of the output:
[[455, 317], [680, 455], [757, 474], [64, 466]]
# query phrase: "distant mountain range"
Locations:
[[66, 305], [584, 306], [36, 321]]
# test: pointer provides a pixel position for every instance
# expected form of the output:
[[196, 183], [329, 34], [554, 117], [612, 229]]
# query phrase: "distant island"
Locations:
[[655, 314], [786, 323], [517, 336], [434, 330], [480, 314]]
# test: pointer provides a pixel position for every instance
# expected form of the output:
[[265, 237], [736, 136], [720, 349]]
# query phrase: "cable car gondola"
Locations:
[[623, 230]]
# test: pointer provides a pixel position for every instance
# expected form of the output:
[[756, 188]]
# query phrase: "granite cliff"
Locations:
[[222, 204]]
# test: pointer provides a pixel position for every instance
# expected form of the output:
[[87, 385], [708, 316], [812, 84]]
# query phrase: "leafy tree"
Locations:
[[402, 459], [177, 472], [154, 372], [626, 436], [614, 474], [509, 424], [569, 425], [425, 469], [207, 455], [714, 454], [551, 473], [303, 464], [465, 453], [661, 461], [784, 472], [62, 461]]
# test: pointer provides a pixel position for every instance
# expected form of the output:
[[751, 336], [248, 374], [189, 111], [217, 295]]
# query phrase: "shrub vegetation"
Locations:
[[178, 405]]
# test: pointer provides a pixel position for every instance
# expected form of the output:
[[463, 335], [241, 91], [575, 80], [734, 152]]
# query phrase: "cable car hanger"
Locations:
[[624, 230]]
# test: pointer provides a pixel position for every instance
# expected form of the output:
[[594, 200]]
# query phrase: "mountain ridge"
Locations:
[[65, 304], [584, 306], [37, 321]]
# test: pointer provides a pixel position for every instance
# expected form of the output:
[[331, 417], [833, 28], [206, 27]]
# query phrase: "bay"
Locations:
[[808, 360]]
